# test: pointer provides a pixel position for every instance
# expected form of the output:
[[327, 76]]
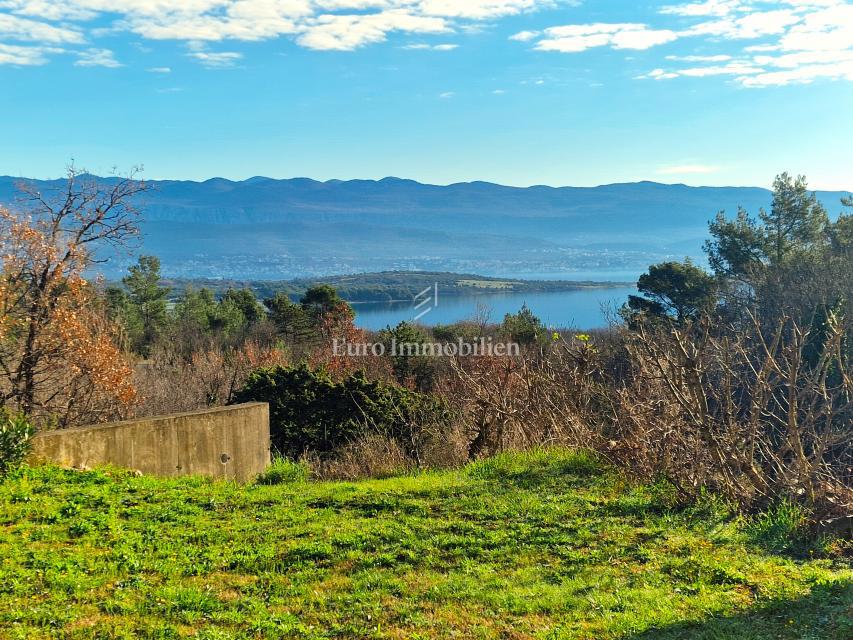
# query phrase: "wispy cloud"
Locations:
[[574, 38], [13, 27], [430, 47], [26, 56], [524, 36], [763, 32], [216, 60], [97, 58], [316, 24], [351, 31], [808, 40], [160, 70]]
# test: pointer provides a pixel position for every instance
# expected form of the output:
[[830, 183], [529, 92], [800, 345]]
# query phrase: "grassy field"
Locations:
[[540, 545]]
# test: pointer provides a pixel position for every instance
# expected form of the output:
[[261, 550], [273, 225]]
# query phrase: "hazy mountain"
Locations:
[[267, 228]]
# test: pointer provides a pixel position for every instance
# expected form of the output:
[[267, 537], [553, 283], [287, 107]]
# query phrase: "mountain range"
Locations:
[[275, 229]]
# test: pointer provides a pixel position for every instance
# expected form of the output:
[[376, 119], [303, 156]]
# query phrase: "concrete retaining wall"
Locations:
[[229, 442]]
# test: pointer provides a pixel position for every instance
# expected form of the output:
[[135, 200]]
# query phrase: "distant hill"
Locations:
[[387, 286], [262, 228]]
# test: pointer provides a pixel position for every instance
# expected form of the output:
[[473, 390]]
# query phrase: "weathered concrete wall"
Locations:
[[229, 442]]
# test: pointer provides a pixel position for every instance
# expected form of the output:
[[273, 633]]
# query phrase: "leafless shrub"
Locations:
[[554, 396], [443, 447], [169, 382], [757, 415]]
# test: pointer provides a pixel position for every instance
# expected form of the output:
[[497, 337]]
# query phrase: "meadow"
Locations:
[[545, 544]]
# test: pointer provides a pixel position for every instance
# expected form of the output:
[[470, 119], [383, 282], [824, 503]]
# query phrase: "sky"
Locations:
[[519, 92]]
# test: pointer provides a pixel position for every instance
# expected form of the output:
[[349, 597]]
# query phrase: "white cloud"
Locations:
[[348, 32], [642, 38], [801, 75], [216, 60], [97, 58], [430, 47], [574, 38], [160, 70], [763, 33], [800, 41], [717, 58], [25, 56], [24, 29], [828, 29], [524, 36], [476, 9], [657, 74], [733, 69], [49, 9], [750, 26], [446, 95], [708, 8], [762, 47], [341, 25]]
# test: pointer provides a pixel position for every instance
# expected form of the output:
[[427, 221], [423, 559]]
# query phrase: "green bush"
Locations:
[[310, 411], [523, 327], [284, 471], [15, 434]]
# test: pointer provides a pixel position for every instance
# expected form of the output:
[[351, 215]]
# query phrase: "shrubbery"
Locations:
[[310, 411], [15, 434]]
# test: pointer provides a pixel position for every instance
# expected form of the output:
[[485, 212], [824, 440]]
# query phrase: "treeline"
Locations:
[[149, 315], [380, 287]]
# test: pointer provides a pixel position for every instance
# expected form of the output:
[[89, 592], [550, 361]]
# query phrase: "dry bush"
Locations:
[[373, 456], [543, 396], [443, 447], [756, 415], [169, 382]]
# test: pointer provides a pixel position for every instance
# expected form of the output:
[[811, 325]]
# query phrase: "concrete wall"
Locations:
[[229, 442]]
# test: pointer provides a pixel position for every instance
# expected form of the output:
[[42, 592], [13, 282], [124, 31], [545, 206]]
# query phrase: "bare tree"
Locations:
[[57, 358]]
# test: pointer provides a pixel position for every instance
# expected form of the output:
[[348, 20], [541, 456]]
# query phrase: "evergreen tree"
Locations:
[[675, 289], [247, 303], [523, 327], [290, 319], [796, 220], [147, 301]]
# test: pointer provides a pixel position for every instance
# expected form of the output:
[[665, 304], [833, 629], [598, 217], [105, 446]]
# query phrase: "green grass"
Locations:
[[539, 545]]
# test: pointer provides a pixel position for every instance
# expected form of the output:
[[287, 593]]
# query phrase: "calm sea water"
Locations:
[[582, 309]]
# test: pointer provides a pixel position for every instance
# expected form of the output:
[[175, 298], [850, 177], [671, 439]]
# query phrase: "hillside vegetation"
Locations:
[[382, 287], [547, 544]]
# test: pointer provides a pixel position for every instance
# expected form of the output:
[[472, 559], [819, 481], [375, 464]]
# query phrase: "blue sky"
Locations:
[[718, 92]]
